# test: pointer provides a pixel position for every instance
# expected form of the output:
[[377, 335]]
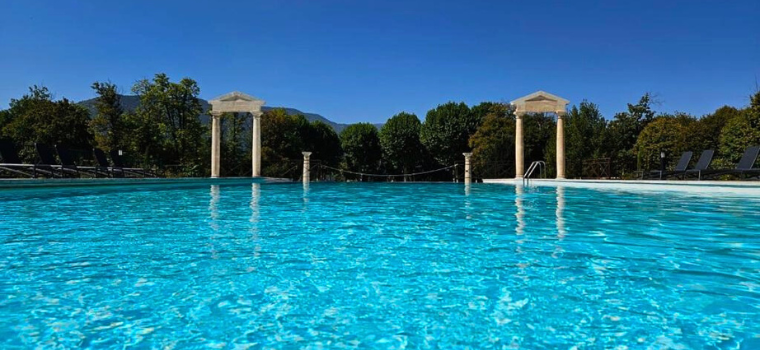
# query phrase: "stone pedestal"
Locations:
[[306, 167], [467, 173]]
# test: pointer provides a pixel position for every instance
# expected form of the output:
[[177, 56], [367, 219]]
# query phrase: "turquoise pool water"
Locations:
[[378, 266]]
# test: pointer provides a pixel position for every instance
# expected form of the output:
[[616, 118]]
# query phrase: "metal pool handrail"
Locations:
[[540, 164]]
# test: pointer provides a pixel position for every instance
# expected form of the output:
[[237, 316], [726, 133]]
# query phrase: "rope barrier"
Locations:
[[392, 175]]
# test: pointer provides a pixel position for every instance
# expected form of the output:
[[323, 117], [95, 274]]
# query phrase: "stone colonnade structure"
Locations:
[[539, 102], [235, 102]]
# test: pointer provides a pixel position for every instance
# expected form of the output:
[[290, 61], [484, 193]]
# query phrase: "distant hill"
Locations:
[[131, 102]]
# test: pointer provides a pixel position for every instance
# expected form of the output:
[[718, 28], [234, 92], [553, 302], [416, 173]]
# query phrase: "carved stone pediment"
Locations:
[[540, 102], [236, 102]]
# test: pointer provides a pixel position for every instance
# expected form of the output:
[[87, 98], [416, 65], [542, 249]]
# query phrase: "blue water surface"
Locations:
[[378, 266]]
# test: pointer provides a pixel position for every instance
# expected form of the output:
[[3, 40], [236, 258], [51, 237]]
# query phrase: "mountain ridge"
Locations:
[[130, 103]]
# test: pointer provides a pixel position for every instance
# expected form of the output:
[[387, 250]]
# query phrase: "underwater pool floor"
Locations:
[[378, 266]]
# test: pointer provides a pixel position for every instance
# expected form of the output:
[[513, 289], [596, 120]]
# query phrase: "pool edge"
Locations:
[[11, 184]]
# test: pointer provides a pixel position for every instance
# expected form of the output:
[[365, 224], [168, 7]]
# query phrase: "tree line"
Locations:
[[169, 130]]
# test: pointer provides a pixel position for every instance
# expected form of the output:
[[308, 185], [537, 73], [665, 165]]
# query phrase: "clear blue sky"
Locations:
[[356, 60]]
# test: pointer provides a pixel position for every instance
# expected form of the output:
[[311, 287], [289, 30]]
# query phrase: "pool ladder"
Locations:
[[540, 165]]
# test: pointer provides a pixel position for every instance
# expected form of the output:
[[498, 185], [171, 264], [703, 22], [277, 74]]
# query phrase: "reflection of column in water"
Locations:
[[467, 202], [255, 194], [255, 213], [523, 264], [561, 212], [213, 208], [520, 215], [305, 192]]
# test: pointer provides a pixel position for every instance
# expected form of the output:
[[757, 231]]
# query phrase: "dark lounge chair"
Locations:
[[702, 164], [47, 159], [12, 162], [103, 166], [67, 162], [680, 168], [744, 167], [118, 163]]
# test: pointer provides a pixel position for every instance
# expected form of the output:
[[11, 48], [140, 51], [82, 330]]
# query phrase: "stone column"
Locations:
[[306, 167], [256, 147], [467, 173], [560, 145], [519, 145], [216, 136]]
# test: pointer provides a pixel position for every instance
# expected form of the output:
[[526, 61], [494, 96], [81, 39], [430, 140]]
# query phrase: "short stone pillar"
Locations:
[[306, 167], [216, 137], [560, 144], [256, 147], [467, 173], [519, 144]]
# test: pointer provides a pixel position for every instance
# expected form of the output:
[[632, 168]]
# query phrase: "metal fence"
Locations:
[[597, 168]]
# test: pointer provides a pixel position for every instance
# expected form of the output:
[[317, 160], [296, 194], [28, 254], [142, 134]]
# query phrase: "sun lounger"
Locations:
[[67, 162], [118, 163], [744, 167], [702, 164], [12, 163], [47, 159], [680, 168]]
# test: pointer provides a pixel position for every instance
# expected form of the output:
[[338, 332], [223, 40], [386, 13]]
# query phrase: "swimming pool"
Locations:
[[386, 266]]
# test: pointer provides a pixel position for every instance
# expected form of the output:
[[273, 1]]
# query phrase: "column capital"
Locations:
[[560, 114], [215, 115], [256, 114], [467, 155], [306, 155]]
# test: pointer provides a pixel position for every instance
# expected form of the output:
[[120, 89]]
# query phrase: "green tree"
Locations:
[[484, 109], [667, 133], [169, 119], [324, 142], [705, 133], [584, 137], [235, 144], [493, 147], [623, 132], [400, 142], [741, 132], [108, 126], [37, 118], [539, 130], [283, 138], [447, 130], [361, 145]]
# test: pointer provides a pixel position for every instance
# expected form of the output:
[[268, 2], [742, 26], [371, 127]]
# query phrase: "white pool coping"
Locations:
[[743, 188]]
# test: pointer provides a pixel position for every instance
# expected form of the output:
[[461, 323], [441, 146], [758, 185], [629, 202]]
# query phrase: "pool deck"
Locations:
[[704, 187], [106, 182]]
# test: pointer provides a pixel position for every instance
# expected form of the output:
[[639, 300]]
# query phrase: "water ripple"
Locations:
[[386, 266]]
